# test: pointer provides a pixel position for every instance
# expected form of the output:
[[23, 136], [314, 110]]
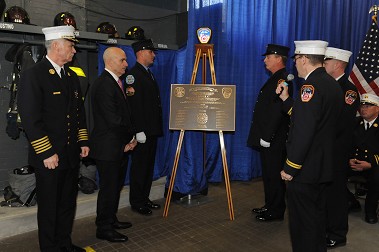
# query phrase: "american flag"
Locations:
[[365, 72]]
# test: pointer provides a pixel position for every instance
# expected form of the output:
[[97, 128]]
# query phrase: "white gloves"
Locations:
[[262, 142], [141, 137]]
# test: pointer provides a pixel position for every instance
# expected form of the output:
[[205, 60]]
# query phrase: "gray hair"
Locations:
[[48, 43]]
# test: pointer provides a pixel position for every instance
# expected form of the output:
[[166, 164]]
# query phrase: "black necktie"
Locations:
[[367, 126], [62, 72], [151, 74]]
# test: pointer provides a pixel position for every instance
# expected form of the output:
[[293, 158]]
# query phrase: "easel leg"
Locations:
[[226, 176], [212, 66], [173, 174], [195, 66]]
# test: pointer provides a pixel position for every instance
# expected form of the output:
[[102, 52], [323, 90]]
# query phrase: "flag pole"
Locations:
[[374, 9]]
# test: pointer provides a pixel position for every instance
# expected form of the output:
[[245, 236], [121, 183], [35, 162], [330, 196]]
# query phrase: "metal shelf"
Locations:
[[81, 35], [113, 41]]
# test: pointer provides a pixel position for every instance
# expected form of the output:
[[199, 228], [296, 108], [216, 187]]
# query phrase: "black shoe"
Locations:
[[73, 248], [121, 225], [354, 206], [268, 217], [371, 219], [152, 205], [142, 210], [334, 243], [111, 236], [260, 210]]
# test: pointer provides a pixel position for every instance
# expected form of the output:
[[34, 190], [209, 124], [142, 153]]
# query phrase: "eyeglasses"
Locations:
[[296, 58]]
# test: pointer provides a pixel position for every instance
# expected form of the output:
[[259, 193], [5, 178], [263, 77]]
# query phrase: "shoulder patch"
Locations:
[[307, 92], [350, 96], [129, 79], [280, 81]]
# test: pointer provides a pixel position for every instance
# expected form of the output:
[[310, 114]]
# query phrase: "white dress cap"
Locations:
[[370, 99], [59, 32], [338, 54], [316, 47]]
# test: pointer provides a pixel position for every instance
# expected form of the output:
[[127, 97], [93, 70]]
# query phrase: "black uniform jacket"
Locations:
[[269, 122], [366, 143], [145, 102], [111, 114], [312, 134], [346, 123], [52, 114]]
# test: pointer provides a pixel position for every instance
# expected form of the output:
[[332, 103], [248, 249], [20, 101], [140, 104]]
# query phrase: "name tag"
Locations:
[[56, 93]]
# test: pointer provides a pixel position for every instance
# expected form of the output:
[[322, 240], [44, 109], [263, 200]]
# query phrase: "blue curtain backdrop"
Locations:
[[241, 29]]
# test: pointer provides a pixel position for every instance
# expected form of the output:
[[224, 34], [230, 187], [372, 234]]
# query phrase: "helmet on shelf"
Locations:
[[16, 14], [108, 28], [2, 7], [135, 33], [65, 18]]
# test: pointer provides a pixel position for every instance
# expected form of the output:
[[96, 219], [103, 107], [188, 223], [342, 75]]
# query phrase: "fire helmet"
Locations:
[[16, 14], [65, 18], [108, 28], [2, 7], [135, 33]]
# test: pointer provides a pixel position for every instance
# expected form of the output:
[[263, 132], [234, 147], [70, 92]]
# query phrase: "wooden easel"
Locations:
[[205, 51]]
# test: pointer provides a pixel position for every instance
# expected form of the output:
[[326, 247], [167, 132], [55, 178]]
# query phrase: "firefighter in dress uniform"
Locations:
[[144, 98], [365, 157], [268, 134], [52, 112], [310, 145], [335, 63]]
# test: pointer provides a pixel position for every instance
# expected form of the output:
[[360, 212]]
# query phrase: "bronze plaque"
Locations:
[[202, 107]]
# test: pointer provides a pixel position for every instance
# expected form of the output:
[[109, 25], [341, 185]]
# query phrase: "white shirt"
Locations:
[[369, 123], [115, 77], [56, 66]]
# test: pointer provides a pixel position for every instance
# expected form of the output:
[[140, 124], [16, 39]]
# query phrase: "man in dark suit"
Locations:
[[310, 146], [143, 94], [365, 157], [335, 63], [268, 134], [111, 137], [52, 113]]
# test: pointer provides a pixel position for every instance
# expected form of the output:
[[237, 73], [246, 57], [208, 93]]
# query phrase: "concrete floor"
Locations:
[[203, 225]]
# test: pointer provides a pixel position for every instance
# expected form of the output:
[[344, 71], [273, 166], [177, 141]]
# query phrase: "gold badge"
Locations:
[[202, 118], [51, 71], [179, 92], [227, 92], [375, 125]]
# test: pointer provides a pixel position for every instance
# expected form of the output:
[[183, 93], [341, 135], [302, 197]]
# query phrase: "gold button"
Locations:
[[68, 124], [366, 151], [68, 116]]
